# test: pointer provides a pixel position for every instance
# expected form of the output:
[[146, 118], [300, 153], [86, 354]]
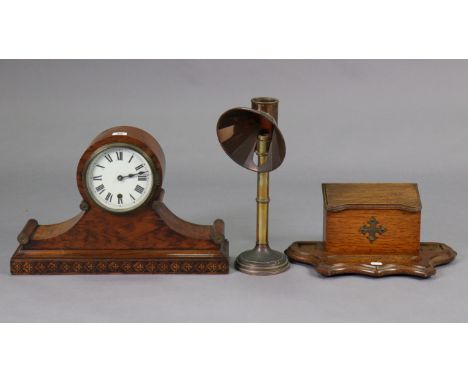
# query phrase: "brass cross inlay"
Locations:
[[372, 230]]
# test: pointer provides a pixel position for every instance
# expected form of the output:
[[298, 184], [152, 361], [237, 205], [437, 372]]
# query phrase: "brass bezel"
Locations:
[[154, 174]]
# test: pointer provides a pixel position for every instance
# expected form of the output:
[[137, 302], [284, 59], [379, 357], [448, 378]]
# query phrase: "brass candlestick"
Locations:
[[245, 134]]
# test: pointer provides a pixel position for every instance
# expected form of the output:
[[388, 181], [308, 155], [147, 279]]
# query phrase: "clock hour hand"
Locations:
[[122, 177]]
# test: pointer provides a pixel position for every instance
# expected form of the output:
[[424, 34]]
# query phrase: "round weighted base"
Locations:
[[262, 261]]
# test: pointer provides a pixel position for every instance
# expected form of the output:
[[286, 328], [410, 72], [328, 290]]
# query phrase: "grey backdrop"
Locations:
[[343, 121]]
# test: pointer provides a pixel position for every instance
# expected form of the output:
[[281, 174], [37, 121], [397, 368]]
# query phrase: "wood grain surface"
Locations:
[[349, 208], [342, 231], [420, 264], [343, 196]]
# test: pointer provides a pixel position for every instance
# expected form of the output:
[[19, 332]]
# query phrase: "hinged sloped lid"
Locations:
[[346, 196]]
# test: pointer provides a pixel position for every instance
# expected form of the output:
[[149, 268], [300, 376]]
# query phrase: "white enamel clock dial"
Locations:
[[119, 178]]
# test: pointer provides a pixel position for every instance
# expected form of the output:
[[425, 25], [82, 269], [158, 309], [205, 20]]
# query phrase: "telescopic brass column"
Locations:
[[252, 139], [263, 190]]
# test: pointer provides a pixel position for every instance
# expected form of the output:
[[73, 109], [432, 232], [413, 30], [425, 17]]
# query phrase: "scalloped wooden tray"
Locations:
[[420, 264]]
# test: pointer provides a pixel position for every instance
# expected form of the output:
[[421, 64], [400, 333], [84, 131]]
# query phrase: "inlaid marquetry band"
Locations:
[[32, 267]]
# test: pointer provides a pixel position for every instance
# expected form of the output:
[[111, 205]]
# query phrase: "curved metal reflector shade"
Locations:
[[238, 130]]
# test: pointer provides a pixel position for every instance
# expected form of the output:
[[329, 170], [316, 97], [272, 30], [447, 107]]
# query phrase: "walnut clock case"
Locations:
[[123, 226]]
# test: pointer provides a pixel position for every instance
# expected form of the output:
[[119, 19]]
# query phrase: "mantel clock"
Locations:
[[124, 225]]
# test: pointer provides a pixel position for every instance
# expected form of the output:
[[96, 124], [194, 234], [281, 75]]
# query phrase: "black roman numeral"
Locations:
[[139, 189], [108, 157], [119, 155], [142, 177], [109, 197], [138, 167], [130, 159], [99, 177], [119, 199], [100, 188], [132, 196], [98, 165]]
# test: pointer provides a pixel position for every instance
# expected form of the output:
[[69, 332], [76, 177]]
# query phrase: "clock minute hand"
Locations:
[[138, 173], [122, 177]]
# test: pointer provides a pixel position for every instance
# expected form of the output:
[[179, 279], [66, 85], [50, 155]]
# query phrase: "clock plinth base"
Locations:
[[151, 240], [420, 264], [40, 262], [262, 261]]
